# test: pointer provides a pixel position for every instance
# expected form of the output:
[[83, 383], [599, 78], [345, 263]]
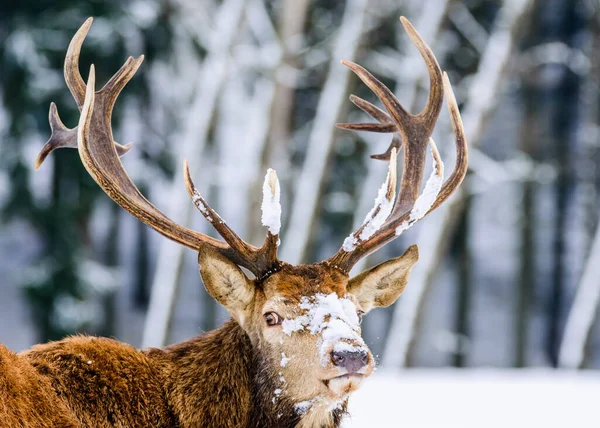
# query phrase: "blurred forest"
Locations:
[[509, 273]]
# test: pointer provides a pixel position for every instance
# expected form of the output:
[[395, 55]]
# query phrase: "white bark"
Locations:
[[305, 202], [583, 312], [164, 287], [433, 239]]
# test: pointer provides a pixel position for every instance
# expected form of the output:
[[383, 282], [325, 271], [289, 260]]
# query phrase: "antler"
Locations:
[[63, 137], [100, 156], [389, 219]]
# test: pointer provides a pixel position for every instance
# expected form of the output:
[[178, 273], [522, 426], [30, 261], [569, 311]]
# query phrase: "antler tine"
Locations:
[[100, 156], [395, 144], [430, 113], [102, 163], [73, 78], [380, 211], [111, 90], [258, 260], [63, 137], [415, 131], [420, 125], [462, 152], [398, 114], [371, 110], [385, 125]]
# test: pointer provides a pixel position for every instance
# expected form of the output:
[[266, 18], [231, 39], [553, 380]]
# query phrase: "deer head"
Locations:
[[303, 321]]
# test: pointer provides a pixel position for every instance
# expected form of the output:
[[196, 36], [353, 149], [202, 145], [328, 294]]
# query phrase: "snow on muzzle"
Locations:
[[335, 321]]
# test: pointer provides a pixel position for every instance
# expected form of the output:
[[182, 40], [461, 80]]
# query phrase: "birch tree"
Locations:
[[584, 312], [193, 141]]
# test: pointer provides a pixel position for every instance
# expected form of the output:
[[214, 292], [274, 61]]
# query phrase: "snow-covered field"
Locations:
[[477, 399]]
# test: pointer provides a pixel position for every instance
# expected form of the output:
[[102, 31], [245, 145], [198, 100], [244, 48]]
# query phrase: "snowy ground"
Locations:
[[477, 399]]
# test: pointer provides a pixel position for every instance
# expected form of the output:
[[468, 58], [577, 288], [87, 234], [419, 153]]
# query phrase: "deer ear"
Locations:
[[382, 285], [225, 281]]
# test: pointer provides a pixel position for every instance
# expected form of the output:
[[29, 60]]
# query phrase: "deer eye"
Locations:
[[272, 319], [360, 316]]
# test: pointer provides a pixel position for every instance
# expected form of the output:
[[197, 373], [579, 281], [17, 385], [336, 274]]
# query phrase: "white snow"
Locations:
[[383, 206], [199, 202], [291, 325], [271, 206], [431, 190], [427, 196], [380, 211], [284, 360], [347, 347], [490, 398], [334, 318], [404, 226], [350, 243], [302, 407]]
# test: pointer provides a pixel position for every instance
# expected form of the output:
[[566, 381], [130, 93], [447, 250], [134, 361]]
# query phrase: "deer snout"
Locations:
[[352, 361]]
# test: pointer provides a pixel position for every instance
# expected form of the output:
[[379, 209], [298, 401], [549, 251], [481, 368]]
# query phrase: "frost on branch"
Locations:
[[271, 207], [384, 203], [430, 192]]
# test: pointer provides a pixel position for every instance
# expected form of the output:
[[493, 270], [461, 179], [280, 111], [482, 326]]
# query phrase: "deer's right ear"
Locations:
[[225, 281]]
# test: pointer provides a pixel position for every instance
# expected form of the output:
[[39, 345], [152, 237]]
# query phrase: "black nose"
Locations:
[[352, 361]]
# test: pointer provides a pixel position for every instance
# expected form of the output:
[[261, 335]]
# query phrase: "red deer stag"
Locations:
[[292, 352]]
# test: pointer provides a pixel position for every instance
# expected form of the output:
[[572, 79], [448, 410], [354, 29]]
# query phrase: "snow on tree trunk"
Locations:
[[583, 312]]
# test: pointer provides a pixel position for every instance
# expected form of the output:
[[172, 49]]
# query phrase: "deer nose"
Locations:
[[352, 361]]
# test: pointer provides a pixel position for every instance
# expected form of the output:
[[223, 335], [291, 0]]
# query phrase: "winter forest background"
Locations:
[[509, 274]]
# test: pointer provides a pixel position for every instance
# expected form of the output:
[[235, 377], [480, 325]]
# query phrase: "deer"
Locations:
[[292, 352]]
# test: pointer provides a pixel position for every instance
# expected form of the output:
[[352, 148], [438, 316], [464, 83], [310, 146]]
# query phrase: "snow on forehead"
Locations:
[[329, 313]]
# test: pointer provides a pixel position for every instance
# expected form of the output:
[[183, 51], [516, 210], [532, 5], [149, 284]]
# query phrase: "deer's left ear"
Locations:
[[382, 285]]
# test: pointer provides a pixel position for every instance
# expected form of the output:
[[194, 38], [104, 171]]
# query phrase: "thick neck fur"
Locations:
[[220, 380]]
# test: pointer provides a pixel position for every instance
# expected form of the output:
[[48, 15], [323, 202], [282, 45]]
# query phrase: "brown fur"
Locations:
[[224, 379], [215, 380]]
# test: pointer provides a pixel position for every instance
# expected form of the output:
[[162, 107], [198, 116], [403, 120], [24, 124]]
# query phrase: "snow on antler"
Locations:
[[432, 188], [271, 206], [384, 202]]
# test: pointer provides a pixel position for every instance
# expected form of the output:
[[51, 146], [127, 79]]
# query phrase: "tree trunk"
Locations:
[[527, 276], [465, 287]]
